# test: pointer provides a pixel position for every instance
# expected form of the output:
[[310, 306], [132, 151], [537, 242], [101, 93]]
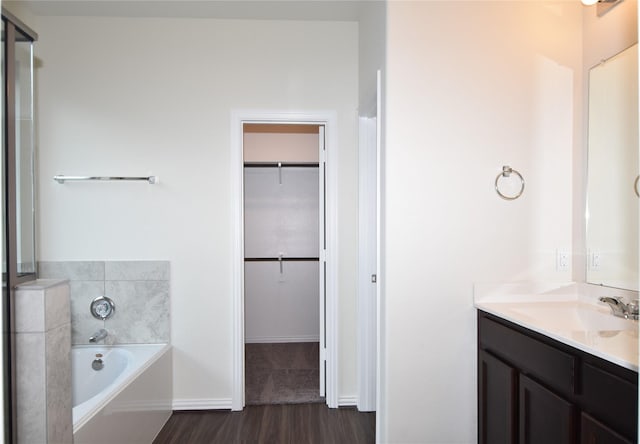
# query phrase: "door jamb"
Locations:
[[329, 120]]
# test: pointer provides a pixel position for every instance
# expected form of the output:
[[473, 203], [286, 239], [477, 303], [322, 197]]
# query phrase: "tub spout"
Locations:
[[99, 335]]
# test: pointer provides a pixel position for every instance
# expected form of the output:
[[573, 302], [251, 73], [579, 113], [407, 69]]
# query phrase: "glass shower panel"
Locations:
[[25, 196]]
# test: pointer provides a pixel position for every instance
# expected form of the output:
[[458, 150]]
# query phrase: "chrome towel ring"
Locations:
[[506, 172]]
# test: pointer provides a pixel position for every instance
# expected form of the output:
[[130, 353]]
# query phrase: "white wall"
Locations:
[[281, 217], [138, 96], [372, 46], [281, 147], [470, 87], [609, 34], [281, 212], [281, 306], [22, 12]]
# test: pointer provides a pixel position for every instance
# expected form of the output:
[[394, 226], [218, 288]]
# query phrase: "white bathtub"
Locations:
[[130, 397]]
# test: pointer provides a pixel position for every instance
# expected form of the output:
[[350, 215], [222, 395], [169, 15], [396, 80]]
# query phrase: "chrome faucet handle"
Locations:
[[633, 307]]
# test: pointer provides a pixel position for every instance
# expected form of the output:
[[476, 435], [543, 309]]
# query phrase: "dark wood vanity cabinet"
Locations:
[[533, 389], [497, 405], [593, 431], [544, 416]]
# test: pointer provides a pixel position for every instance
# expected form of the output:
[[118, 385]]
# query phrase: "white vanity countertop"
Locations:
[[569, 313]]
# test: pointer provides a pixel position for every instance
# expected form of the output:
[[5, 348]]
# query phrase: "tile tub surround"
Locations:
[[43, 362], [569, 313], [139, 289]]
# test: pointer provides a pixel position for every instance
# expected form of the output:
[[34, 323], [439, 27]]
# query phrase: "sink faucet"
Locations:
[[622, 310], [99, 335]]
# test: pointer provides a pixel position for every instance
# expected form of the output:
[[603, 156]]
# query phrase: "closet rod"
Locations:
[[278, 259], [280, 165]]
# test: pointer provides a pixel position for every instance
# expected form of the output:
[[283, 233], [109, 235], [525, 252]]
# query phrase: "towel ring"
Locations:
[[635, 185], [506, 172]]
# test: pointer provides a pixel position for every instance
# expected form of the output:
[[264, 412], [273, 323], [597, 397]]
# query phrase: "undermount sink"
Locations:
[[582, 317]]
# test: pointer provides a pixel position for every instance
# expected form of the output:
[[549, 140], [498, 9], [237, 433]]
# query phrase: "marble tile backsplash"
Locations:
[[139, 289]]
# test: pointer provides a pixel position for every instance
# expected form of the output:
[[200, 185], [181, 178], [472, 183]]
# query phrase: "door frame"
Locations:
[[329, 120]]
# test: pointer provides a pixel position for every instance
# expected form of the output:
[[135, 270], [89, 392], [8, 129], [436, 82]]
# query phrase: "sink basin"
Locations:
[[574, 317]]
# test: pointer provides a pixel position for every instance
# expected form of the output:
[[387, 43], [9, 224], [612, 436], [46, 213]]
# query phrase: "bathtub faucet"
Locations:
[[99, 335]]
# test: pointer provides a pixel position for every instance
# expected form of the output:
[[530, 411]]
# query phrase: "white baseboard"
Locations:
[[281, 339], [225, 403], [202, 404], [347, 401]]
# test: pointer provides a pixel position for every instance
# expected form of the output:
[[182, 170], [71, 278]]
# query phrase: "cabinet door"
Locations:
[[544, 416], [497, 406], [611, 399], [594, 432]]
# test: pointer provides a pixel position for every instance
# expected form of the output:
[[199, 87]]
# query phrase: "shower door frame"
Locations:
[[15, 31], [328, 119]]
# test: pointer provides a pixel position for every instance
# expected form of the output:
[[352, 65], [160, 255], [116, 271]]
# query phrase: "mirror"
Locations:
[[612, 196]]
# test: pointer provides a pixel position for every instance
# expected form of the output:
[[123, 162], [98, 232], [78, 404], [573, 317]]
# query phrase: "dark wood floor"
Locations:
[[274, 424]]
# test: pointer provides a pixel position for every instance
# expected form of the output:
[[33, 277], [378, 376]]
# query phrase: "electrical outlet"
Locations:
[[562, 260], [595, 260]]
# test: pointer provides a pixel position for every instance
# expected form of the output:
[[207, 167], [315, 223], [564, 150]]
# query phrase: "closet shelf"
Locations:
[[281, 164], [281, 259]]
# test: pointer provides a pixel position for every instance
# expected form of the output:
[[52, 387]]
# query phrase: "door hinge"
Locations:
[[323, 354], [374, 278]]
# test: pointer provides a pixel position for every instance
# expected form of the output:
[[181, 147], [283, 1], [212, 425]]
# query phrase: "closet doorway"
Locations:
[[284, 273]]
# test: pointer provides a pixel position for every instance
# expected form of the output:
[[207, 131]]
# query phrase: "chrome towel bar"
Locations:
[[281, 259], [63, 179]]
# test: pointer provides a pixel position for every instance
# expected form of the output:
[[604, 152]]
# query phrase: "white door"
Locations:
[[367, 265], [369, 257]]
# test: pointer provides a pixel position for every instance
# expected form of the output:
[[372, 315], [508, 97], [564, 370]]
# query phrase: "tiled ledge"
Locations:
[[42, 284]]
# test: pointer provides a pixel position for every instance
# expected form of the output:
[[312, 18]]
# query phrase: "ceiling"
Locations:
[[333, 10]]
